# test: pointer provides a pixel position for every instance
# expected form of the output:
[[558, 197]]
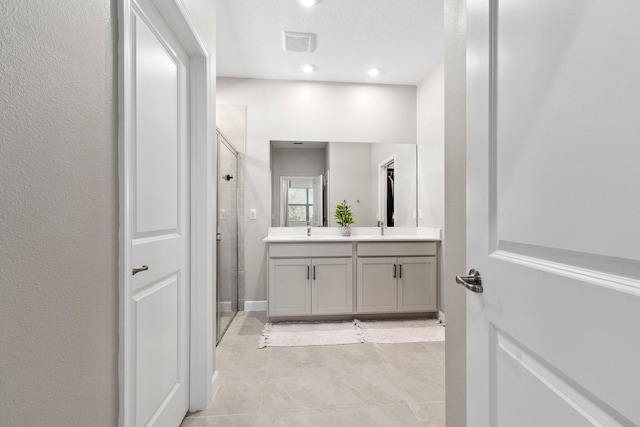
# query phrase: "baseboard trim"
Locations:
[[441, 317], [255, 306]]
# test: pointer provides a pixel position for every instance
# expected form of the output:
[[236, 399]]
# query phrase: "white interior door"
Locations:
[[158, 325], [553, 97]]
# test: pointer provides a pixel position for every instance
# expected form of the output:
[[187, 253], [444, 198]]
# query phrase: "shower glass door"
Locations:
[[227, 238]]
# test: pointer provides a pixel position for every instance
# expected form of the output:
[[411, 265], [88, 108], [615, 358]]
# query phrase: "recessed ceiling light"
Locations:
[[373, 72], [308, 68], [308, 3]]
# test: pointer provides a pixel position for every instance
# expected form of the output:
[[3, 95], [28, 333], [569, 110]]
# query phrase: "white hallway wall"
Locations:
[[307, 111], [59, 209], [431, 155]]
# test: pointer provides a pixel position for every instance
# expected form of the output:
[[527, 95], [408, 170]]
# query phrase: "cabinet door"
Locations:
[[417, 284], [377, 286], [289, 286], [332, 290]]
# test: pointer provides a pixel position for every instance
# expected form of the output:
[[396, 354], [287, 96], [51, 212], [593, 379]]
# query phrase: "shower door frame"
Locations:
[[221, 138]]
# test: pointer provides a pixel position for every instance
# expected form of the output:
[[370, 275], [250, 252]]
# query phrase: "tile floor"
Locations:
[[342, 385]]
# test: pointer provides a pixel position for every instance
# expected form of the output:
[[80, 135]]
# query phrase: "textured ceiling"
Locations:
[[404, 38]]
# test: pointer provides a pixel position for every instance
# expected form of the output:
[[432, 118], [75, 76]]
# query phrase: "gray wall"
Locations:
[[59, 214], [59, 210], [454, 244]]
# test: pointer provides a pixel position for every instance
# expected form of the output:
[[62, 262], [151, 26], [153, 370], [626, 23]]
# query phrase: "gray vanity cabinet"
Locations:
[[322, 284], [331, 286], [289, 287], [377, 285], [389, 284], [417, 284]]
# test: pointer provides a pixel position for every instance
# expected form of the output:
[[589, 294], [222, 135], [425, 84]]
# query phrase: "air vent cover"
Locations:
[[298, 42]]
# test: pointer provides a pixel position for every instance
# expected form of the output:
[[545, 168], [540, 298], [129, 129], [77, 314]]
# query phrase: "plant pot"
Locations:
[[345, 231]]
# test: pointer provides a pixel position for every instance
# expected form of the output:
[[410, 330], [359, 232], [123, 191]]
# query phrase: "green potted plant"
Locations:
[[344, 218]]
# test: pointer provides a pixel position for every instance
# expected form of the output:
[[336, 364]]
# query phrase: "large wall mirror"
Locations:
[[308, 180]]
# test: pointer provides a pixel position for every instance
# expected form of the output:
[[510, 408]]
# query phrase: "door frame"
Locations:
[[202, 377], [382, 186]]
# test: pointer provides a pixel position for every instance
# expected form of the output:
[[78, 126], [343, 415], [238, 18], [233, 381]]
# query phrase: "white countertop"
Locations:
[[358, 234]]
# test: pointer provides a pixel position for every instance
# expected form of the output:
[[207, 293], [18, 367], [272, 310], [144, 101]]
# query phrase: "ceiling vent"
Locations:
[[298, 42]]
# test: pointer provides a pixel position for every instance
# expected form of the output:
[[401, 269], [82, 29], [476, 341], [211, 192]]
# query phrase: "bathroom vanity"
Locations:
[[364, 274]]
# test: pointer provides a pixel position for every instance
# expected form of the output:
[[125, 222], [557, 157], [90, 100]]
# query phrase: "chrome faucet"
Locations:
[[382, 227], [308, 229]]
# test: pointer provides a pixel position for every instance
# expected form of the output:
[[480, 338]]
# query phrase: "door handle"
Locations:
[[473, 281], [400, 275], [394, 271], [314, 272], [138, 270], [308, 269]]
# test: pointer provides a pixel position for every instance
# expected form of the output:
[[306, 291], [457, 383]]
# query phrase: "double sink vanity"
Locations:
[[326, 274]]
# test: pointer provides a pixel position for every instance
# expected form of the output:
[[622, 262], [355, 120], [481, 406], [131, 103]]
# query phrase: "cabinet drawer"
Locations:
[[397, 249], [310, 250]]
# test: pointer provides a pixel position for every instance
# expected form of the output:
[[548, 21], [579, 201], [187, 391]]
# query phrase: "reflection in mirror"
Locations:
[[301, 201], [309, 179]]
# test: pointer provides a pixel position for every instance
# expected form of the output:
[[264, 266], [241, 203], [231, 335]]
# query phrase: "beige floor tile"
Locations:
[[376, 416], [437, 349], [347, 385], [243, 380], [297, 357], [244, 420], [242, 358], [419, 384], [430, 414], [242, 334], [284, 393], [351, 354], [406, 354], [375, 388], [308, 418], [274, 374], [230, 400]]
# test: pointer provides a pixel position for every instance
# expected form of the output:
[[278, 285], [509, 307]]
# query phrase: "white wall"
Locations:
[[430, 103], [59, 210], [431, 155], [307, 111]]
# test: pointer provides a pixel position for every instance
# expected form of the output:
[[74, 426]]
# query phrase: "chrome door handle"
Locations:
[[138, 270], [473, 281]]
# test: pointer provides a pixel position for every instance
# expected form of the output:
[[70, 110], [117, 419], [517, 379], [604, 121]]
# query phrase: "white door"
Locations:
[[158, 325], [553, 110]]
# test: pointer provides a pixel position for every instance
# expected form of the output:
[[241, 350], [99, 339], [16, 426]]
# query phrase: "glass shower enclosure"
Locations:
[[227, 235]]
